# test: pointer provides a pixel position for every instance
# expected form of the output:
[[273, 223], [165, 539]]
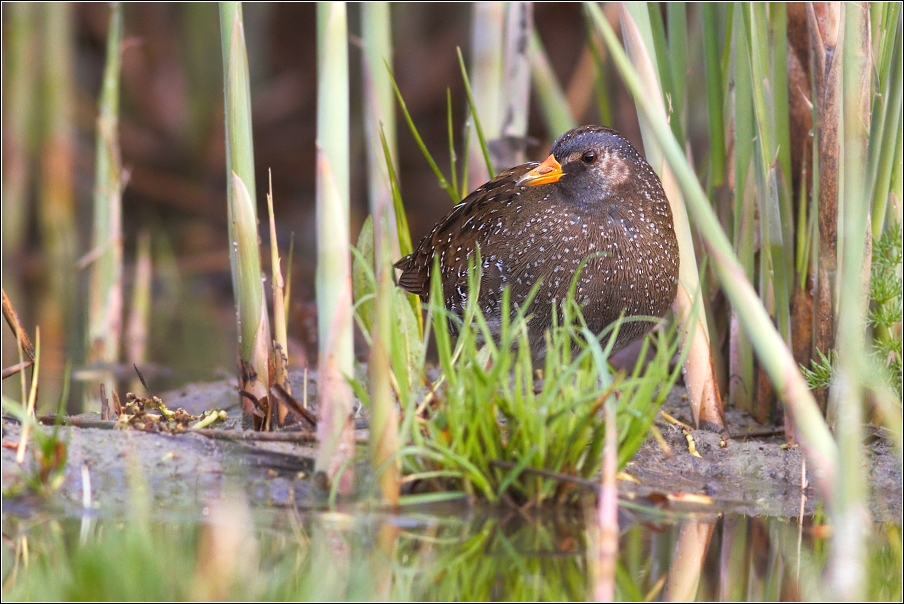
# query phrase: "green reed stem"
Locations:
[[335, 431], [379, 110], [714, 98], [105, 296], [846, 570], [19, 112], [255, 341]]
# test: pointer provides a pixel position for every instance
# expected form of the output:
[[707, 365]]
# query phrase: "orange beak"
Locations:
[[547, 172]]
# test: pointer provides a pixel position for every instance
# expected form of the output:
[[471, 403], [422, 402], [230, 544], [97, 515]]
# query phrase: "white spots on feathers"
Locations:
[[623, 242]]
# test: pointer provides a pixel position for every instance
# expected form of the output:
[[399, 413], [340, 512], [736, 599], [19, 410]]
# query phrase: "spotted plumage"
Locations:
[[595, 198]]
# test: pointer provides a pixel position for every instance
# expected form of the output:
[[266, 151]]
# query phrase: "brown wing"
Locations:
[[453, 238]]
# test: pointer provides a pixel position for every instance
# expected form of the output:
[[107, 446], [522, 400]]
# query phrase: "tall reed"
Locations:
[[703, 388], [335, 431], [486, 72], [244, 251], [56, 211], [848, 512], [105, 303], [19, 84], [379, 124]]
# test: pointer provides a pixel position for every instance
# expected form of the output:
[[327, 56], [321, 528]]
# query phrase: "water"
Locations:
[[450, 552]]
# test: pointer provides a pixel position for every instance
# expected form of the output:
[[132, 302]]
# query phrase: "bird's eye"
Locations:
[[589, 157]]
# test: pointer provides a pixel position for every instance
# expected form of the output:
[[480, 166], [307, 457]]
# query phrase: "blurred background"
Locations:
[[172, 144]]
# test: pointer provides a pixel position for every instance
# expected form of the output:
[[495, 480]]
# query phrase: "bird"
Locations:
[[594, 206]]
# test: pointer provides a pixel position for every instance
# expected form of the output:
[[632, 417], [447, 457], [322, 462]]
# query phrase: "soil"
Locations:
[[753, 475]]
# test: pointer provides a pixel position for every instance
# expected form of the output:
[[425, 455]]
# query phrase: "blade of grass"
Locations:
[[402, 230], [443, 182], [742, 381], [886, 119], [32, 398], [657, 44], [679, 57], [772, 237]]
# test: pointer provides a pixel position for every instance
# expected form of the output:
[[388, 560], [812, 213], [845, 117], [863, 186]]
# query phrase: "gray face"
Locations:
[[610, 204], [600, 166]]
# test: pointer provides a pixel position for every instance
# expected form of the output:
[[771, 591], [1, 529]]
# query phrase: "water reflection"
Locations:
[[193, 339], [449, 554]]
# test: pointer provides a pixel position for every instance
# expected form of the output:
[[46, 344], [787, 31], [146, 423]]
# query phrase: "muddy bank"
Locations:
[[751, 475], [754, 475]]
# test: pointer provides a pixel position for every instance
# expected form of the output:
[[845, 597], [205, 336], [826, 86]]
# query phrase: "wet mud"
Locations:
[[746, 473]]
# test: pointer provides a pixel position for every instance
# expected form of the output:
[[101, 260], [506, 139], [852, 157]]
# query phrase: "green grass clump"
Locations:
[[489, 427]]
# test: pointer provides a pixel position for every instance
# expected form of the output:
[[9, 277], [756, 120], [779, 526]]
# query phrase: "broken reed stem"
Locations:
[[30, 404], [12, 319], [140, 313], [280, 350], [14, 369]]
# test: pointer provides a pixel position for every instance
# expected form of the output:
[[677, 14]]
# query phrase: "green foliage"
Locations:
[[819, 374], [887, 305], [885, 317], [438, 557], [44, 474], [128, 562], [528, 563], [488, 425], [492, 428]]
